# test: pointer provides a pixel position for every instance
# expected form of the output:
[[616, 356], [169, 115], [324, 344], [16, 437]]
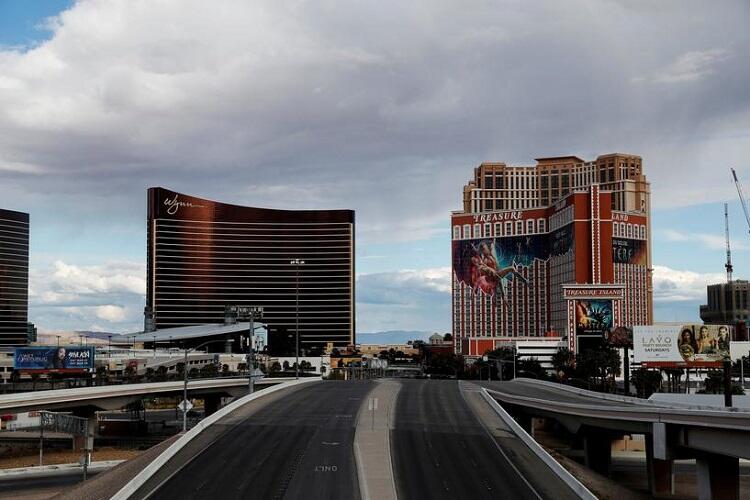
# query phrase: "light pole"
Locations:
[[185, 381], [296, 263]]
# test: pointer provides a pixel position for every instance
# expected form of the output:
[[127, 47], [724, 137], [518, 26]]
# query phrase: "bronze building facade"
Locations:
[[204, 255], [14, 277]]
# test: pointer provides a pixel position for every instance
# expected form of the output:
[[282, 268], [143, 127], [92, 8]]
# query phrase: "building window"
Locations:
[[530, 226], [519, 227], [508, 228], [456, 232], [498, 229], [467, 231], [488, 230], [477, 230], [541, 225]]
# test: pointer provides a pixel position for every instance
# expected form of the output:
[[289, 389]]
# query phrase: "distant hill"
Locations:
[[393, 337]]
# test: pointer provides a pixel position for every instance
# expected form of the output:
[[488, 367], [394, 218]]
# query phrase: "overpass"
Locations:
[[715, 438], [382, 439], [112, 397]]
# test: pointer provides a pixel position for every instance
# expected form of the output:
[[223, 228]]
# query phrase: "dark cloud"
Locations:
[[341, 104]]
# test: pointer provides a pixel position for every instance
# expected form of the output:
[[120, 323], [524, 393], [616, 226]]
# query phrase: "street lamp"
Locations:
[[185, 381], [297, 263]]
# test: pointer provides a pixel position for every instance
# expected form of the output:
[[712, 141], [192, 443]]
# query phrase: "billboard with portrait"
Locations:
[[488, 265], [681, 345], [593, 316], [57, 359]]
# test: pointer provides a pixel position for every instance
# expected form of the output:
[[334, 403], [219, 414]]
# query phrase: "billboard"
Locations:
[[488, 265], [621, 336], [625, 251], [59, 359], [593, 316], [681, 345]]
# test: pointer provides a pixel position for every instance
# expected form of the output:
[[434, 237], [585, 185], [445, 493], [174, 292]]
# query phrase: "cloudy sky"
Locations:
[[384, 107]]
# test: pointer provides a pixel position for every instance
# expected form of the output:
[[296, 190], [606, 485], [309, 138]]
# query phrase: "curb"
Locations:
[[54, 470], [560, 471], [139, 480]]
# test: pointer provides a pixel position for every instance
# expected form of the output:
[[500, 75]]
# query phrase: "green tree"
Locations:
[[563, 361], [646, 381], [530, 368]]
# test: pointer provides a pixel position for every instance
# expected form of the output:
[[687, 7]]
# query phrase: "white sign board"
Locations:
[[681, 345]]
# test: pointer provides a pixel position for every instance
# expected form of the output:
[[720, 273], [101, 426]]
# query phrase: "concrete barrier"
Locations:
[[535, 447], [139, 480]]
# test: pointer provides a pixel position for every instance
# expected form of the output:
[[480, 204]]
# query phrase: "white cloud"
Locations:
[[691, 66], [673, 285], [710, 241], [110, 313], [67, 296], [404, 300]]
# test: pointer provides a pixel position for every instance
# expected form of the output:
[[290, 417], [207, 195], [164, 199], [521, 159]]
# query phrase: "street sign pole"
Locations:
[[250, 355]]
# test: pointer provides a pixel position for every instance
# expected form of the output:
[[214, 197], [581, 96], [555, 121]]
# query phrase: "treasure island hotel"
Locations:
[[556, 250], [205, 255], [14, 277]]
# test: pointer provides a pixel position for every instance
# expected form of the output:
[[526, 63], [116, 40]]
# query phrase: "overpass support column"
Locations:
[[660, 472], [211, 404], [718, 477], [597, 448]]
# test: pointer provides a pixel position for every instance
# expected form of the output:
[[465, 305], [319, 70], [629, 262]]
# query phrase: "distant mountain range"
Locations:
[[393, 337]]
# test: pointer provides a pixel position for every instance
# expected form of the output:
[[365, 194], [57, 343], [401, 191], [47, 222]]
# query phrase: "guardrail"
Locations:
[[618, 397], [43, 399], [139, 480], [723, 419], [560, 471]]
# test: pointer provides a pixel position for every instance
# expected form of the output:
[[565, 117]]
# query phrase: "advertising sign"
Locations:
[[60, 359], [593, 316], [489, 265], [681, 345], [626, 251], [621, 336]]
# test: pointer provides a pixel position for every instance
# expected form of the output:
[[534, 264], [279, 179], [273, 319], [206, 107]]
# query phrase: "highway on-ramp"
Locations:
[[442, 450]]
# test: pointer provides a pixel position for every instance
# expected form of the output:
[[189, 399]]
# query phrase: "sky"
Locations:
[[382, 107]]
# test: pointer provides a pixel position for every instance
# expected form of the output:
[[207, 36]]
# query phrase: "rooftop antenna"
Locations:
[[728, 265]]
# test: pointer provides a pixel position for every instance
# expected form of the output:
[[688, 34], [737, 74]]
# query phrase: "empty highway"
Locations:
[[441, 449], [298, 446], [445, 442]]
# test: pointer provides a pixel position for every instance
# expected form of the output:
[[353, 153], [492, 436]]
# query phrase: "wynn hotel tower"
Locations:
[[204, 255]]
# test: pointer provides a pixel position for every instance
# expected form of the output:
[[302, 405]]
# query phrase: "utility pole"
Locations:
[[297, 263]]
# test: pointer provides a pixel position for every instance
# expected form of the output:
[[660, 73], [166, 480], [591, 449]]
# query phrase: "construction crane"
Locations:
[[728, 265], [742, 198]]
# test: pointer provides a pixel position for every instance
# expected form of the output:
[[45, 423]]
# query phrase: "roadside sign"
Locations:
[[185, 405], [66, 424]]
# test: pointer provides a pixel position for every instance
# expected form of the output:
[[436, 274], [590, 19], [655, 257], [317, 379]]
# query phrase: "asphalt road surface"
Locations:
[[299, 446], [441, 450]]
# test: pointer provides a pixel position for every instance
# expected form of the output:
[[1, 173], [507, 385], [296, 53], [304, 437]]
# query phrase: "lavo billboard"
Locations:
[[681, 345]]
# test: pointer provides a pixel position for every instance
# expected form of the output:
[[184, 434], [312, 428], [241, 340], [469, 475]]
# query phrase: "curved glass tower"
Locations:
[[205, 255]]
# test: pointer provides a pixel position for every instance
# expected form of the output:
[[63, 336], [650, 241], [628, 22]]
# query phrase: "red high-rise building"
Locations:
[[559, 249]]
